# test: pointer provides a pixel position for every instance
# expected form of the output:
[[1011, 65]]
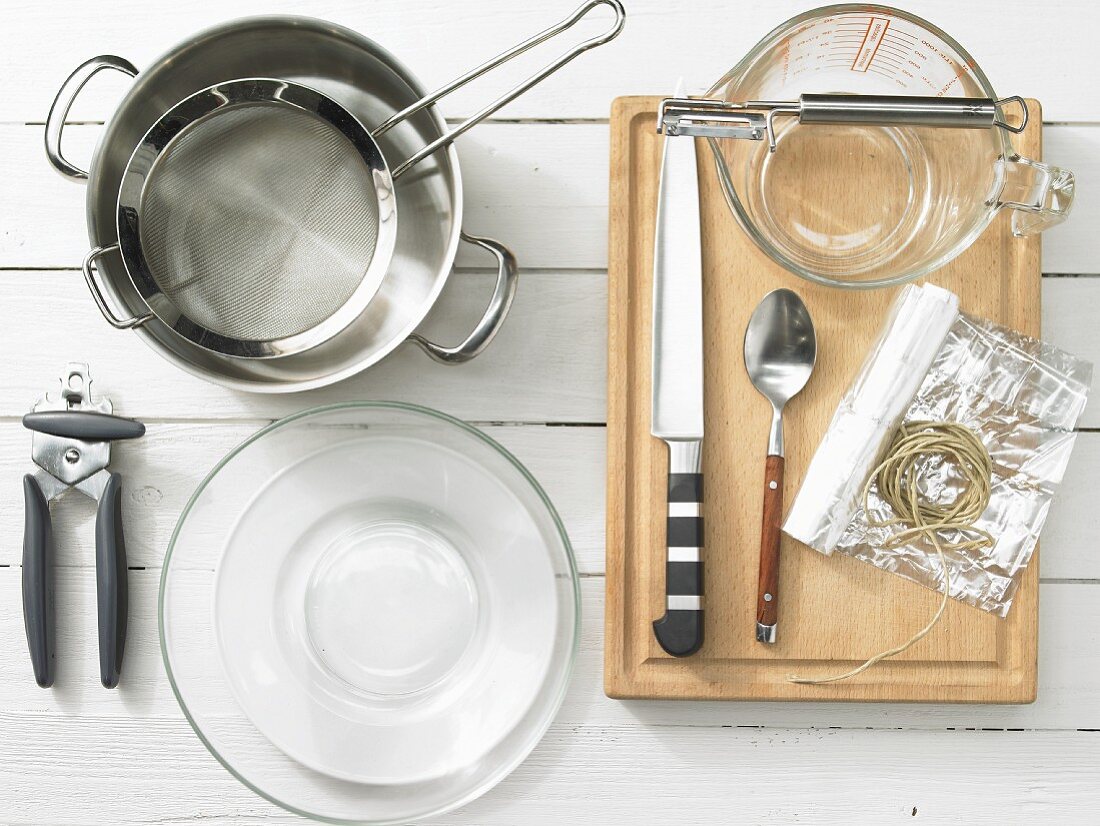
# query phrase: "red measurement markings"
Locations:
[[889, 60], [905, 37], [890, 49], [805, 41], [960, 72], [872, 39]]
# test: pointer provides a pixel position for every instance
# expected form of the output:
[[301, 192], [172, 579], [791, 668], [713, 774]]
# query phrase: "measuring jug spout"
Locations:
[[1040, 195]]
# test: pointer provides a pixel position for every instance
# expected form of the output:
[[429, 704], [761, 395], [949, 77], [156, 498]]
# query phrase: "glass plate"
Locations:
[[369, 612]]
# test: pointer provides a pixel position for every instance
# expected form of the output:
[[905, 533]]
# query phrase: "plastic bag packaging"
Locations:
[[1022, 397]]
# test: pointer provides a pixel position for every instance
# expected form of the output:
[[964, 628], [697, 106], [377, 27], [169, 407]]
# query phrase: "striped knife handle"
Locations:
[[680, 630]]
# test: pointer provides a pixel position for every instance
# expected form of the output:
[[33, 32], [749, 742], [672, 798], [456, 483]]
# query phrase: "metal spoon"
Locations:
[[780, 351]]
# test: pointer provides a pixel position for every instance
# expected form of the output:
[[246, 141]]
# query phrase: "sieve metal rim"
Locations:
[[200, 106]]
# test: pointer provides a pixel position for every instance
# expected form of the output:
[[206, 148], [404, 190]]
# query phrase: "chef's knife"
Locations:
[[678, 391]]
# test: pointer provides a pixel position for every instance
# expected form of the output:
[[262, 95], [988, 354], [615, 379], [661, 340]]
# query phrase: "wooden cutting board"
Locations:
[[834, 611]]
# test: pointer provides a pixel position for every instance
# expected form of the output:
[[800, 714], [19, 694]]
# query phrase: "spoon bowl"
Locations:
[[780, 347]]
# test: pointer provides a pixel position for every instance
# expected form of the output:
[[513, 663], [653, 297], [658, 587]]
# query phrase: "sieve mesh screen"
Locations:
[[259, 221]]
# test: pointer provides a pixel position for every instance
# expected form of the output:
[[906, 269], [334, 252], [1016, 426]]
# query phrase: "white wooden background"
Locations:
[[537, 179]]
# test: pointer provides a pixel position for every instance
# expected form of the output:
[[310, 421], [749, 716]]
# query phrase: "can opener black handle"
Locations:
[[72, 449]]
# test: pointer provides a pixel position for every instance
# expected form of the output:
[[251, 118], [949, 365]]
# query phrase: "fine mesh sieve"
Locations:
[[257, 217], [247, 244]]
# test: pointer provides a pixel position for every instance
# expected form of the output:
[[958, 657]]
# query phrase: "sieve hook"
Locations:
[[520, 48]]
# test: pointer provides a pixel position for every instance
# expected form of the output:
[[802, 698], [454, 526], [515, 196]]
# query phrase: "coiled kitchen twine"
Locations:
[[897, 479]]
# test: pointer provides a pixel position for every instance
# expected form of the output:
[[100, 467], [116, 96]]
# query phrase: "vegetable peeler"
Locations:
[[71, 446]]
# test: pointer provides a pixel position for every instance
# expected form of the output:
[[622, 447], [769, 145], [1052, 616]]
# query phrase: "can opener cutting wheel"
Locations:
[[72, 448]]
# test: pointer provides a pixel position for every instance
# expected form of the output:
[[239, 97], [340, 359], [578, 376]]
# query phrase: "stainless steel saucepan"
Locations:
[[374, 89]]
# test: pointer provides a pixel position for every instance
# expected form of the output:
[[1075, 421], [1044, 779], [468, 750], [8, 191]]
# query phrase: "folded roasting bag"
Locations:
[[1022, 397]]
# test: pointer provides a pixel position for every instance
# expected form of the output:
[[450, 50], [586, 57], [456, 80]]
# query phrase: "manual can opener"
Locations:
[[72, 448]]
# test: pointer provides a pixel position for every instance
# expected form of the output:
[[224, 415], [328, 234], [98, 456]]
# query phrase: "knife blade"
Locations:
[[677, 404]]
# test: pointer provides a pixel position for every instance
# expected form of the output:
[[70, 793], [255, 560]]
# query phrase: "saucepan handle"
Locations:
[[66, 95], [495, 313], [445, 140]]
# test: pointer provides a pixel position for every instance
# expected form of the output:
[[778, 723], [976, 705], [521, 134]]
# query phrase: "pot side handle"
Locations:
[[66, 95], [89, 269], [495, 313]]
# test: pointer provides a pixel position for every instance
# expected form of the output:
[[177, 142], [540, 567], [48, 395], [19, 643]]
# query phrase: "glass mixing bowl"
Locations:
[[369, 612]]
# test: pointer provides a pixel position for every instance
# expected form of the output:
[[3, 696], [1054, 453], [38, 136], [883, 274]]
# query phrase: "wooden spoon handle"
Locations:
[[767, 593]]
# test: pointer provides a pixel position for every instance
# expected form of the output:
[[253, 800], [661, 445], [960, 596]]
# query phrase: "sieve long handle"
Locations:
[[473, 120]]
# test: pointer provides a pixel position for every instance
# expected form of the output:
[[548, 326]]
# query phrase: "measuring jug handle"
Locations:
[[66, 95], [1040, 195]]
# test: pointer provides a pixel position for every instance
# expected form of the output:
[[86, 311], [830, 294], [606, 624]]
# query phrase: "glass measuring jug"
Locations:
[[860, 146]]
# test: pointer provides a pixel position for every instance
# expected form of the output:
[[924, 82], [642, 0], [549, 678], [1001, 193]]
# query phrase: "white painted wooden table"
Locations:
[[537, 179]]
